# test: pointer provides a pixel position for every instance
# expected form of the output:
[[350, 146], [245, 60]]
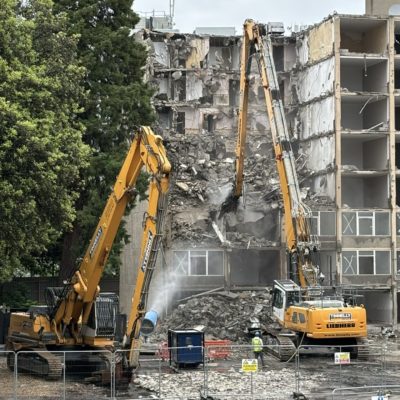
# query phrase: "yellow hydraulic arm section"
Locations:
[[74, 306], [300, 242], [151, 242]]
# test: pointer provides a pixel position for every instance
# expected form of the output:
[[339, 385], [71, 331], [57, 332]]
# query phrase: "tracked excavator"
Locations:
[[77, 316], [302, 312]]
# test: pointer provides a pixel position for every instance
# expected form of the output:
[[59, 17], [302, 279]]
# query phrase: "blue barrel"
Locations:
[[149, 323]]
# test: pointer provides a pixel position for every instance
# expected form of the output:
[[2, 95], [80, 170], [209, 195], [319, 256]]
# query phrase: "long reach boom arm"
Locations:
[[301, 244]]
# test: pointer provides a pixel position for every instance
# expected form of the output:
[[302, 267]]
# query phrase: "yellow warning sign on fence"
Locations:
[[249, 365], [342, 358]]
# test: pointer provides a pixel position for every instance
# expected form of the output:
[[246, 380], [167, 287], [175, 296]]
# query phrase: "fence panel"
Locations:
[[88, 374], [34, 385], [341, 373], [233, 375], [7, 377], [66, 375], [159, 377], [315, 371]]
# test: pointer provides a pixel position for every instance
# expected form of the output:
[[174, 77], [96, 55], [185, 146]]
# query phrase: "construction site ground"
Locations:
[[315, 376]]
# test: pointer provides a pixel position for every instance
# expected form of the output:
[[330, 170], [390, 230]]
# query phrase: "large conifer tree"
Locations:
[[118, 99], [42, 154]]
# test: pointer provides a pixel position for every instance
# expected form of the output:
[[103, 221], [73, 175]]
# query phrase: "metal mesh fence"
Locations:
[[234, 374], [347, 372], [7, 377], [225, 372]]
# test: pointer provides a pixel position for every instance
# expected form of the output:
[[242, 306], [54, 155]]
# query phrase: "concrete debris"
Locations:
[[186, 384], [388, 332], [234, 315], [196, 79]]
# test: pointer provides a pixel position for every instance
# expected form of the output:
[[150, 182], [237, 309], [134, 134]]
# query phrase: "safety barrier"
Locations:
[[226, 372], [340, 370]]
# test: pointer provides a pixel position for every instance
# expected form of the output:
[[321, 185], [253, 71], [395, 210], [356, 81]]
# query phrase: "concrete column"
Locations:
[[392, 171], [338, 151]]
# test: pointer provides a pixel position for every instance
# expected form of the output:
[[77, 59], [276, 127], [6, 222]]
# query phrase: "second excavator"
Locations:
[[78, 319], [302, 311]]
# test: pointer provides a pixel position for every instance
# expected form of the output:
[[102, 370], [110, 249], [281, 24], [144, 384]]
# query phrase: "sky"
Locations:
[[190, 14]]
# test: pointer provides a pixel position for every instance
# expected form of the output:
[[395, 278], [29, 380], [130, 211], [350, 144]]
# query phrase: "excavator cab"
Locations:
[[285, 294]]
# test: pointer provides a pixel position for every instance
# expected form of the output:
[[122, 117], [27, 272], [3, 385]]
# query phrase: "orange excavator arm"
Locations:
[[299, 240], [74, 306]]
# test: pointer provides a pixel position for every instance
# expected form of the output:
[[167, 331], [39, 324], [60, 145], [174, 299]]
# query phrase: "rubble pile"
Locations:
[[224, 315], [204, 170], [197, 99], [186, 384]]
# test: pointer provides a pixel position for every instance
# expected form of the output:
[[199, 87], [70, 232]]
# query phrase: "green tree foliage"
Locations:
[[15, 295], [118, 99], [42, 155]]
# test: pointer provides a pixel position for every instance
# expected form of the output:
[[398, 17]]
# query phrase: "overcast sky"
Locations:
[[190, 14]]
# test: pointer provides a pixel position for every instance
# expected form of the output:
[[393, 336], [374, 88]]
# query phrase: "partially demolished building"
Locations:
[[340, 81]]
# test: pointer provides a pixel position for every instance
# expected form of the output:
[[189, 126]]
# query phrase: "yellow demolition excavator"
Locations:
[[304, 314], [77, 315]]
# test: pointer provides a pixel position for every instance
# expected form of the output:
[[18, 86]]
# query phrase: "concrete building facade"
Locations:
[[382, 7], [340, 81], [347, 114]]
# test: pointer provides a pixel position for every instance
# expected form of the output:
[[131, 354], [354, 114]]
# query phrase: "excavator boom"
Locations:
[[72, 317], [293, 305]]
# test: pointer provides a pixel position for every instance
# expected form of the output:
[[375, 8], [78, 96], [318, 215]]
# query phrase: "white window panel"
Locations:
[[199, 262], [366, 262], [365, 223], [323, 223]]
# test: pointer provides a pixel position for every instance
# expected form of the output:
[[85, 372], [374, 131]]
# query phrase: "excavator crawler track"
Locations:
[[38, 362], [284, 349], [362, 349], [280, 346]]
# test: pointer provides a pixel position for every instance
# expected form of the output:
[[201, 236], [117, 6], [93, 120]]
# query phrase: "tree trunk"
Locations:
[[70, 253]]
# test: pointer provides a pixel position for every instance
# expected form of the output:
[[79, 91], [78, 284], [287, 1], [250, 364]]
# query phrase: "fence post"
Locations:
[[383, 360], [112, 375], [251, 385], [159, 377], [340, 369], [205, 358], [297, 372], [64, 368], [15, 374]]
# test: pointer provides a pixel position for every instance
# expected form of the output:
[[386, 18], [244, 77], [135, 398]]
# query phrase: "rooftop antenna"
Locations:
[[171, 12]]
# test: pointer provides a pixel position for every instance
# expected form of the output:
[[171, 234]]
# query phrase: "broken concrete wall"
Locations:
[[316, 81], [194, 86], [316, 43], [322, 187], [312, 82], [317, 118], [224, 53], [161, 54], [319, 154], [200, 48], [321, 40]]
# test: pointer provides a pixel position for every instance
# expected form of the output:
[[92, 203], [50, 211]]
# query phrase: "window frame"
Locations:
[[316, 216], [361, 215], [360, 253], [188, 257]]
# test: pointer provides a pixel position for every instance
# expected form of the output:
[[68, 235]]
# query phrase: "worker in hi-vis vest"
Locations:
[[257, 344]]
